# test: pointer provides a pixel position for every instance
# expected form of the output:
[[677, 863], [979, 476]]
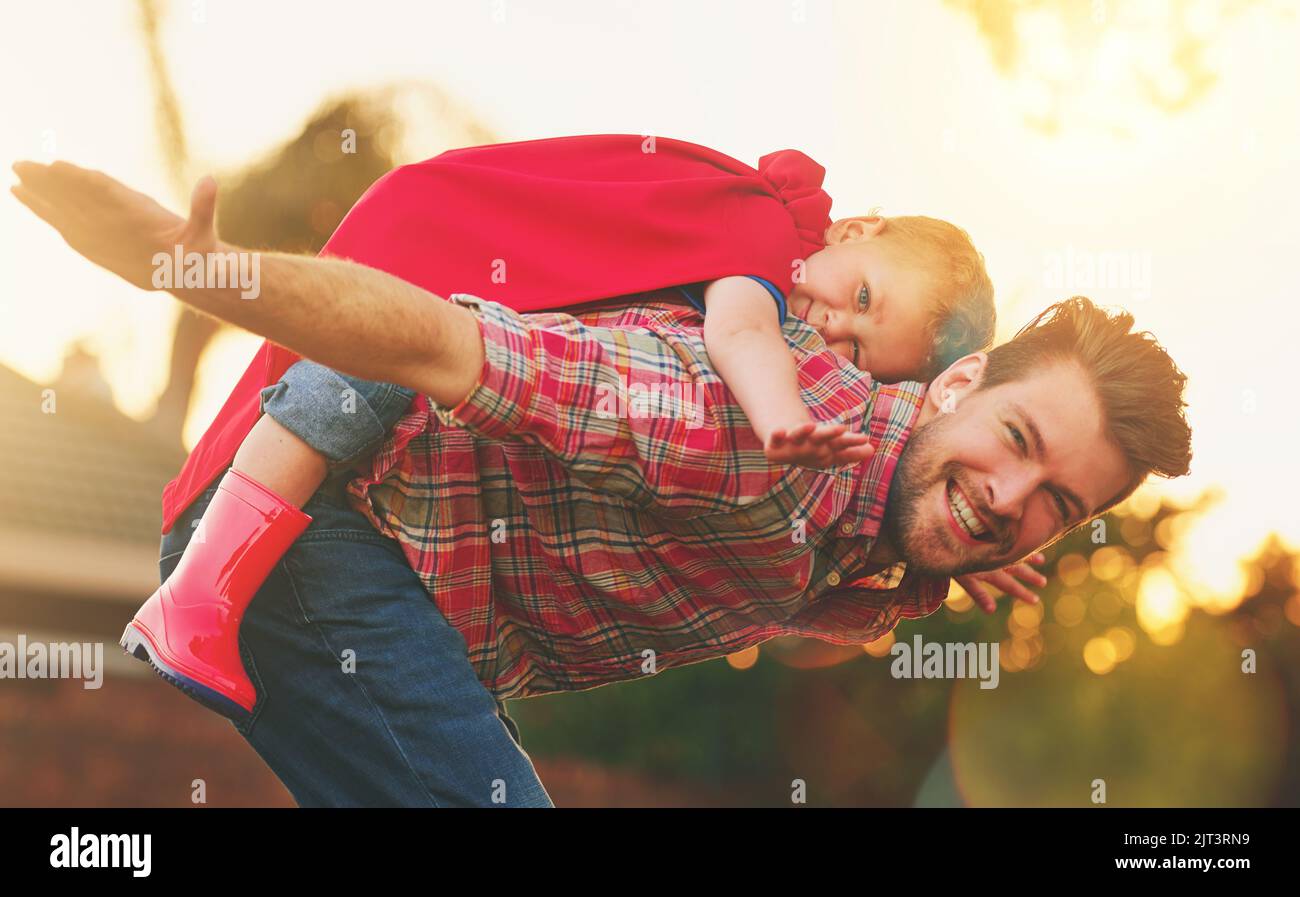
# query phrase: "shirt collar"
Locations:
[[895, 408], [889, 578]]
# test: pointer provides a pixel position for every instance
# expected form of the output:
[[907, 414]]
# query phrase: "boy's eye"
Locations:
[[864, 298]]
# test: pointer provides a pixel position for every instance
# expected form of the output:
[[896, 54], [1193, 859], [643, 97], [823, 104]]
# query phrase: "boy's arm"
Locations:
[[743, 337], [632, 412]]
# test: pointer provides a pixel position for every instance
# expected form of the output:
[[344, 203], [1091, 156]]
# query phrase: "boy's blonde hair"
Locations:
[[962, 316]]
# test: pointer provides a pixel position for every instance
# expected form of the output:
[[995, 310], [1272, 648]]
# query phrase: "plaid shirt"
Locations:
[[598, 508]]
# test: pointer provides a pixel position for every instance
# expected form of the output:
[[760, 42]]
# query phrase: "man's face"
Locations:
[[1001, 474]]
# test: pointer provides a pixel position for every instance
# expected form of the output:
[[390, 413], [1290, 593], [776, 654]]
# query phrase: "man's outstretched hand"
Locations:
[[112, 225], [1008, 579], [817, 446]]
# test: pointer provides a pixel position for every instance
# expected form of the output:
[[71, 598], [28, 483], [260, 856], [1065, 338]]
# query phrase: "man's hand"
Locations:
[[353, 318], [1008, 579], [112, 225], [817, 446]]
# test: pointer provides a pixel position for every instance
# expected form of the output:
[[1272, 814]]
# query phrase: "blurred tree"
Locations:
[[292, 198], [193, 331]]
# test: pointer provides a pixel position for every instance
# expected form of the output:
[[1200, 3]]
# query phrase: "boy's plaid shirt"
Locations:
[[579, 528]]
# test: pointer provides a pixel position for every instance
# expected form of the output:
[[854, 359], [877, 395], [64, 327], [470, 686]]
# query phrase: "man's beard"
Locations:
[[925, 544]]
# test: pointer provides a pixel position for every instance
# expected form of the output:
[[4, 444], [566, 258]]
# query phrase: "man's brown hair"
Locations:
[[1139, 386]]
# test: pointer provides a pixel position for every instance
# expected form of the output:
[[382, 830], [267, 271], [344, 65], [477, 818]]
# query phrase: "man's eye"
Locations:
[[1018, 437], [1060, 505], [864, 298]]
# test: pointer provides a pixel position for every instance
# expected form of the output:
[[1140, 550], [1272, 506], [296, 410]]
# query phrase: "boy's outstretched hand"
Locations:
[[817, 446], [1008, 579], [109, 223]]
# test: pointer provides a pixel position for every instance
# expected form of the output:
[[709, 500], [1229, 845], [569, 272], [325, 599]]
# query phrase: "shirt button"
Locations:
[[833, 578], [846, 528]]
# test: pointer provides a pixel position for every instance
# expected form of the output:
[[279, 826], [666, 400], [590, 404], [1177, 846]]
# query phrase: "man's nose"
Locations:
[[1007, 494]]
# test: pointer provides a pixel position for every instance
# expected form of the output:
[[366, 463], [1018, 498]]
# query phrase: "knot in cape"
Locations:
[[797, 181]]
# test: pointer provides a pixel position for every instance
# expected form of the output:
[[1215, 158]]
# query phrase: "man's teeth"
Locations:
[[965, 516]]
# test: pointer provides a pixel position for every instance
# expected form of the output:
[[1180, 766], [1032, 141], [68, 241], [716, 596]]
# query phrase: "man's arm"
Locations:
[[356, 319], [563, 387]]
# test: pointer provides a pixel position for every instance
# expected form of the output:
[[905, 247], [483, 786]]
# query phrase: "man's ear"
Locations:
[[850, 230], [959, 379]]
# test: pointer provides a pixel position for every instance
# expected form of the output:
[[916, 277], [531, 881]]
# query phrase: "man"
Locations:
[[570, 542]]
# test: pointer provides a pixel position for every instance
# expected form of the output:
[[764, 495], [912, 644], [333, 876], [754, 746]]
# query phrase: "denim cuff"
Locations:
[[343, 418]]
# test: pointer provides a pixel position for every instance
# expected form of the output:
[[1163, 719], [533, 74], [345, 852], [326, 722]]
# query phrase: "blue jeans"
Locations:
[[344, 418], [366, 696]]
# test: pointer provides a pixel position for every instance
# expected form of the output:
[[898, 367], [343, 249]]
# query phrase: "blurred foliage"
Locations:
[[1073, 59], [1094, 684], [292, 199]]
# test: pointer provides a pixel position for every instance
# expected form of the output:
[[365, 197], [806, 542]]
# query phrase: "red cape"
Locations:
[[546, 224]]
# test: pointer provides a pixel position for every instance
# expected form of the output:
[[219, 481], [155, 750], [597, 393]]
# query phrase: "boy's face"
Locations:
[[866, 301]]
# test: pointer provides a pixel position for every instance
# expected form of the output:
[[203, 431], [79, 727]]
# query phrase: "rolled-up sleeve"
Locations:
[[628, 411]]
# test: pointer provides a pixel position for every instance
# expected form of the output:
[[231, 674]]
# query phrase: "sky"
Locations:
[[1073, 155]]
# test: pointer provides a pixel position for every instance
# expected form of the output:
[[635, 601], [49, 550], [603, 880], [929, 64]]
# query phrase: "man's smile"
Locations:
[[963, 519]]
